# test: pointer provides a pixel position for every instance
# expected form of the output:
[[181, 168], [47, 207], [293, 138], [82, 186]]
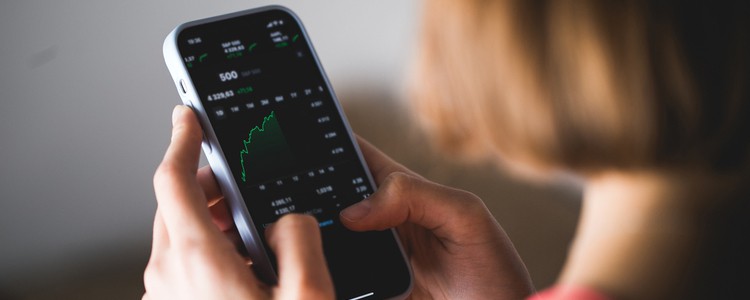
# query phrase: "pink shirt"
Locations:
[[561, 292]]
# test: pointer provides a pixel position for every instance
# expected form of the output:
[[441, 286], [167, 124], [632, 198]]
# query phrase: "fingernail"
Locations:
[[357, 211], [176, 112]]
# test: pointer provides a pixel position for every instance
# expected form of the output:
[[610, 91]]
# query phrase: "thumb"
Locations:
[[303, 272], [403, 198]]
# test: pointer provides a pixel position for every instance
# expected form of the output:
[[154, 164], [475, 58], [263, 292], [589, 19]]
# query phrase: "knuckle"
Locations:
[[165, 173], [195, 246], [168, 173], [469, 201], [154, 262], [471, 210], [151, 275], [399, 183], [199, 255]]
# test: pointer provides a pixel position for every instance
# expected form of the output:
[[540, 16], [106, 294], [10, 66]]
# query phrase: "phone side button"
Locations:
[[183, 88], [206, 145]]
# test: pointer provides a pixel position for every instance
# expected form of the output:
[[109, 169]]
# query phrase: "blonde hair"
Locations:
[[587, 85]]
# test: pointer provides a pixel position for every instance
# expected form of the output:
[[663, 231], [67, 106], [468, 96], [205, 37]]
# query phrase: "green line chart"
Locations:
[[264, 149]]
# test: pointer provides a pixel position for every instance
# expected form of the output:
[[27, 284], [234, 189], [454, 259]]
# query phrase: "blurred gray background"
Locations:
[[85, 103]]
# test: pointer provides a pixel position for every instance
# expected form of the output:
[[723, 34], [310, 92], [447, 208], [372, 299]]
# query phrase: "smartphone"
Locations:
[[278, 142]]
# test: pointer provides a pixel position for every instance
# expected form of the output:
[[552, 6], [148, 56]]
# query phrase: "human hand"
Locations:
[[192, 259], [456, 247]]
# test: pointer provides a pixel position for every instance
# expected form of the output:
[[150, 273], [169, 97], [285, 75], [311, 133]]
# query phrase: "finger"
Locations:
[[403, 198], [303, 273], [379, 163], [220, 215], [182, 203], [209, 185], [160, 237], [234, 236], [216, 203]]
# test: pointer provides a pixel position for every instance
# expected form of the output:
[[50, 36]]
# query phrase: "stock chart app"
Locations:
[[285, 142]]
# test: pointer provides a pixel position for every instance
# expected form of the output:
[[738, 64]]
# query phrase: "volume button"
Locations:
[[183, 87]]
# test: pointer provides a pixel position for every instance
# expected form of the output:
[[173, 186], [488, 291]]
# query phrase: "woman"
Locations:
[[648, 102]]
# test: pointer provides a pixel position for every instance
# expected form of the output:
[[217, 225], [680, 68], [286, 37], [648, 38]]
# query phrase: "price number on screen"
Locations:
[[227, 76]]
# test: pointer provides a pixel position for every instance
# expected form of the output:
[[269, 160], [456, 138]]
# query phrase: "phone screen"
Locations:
[[285, 142]]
